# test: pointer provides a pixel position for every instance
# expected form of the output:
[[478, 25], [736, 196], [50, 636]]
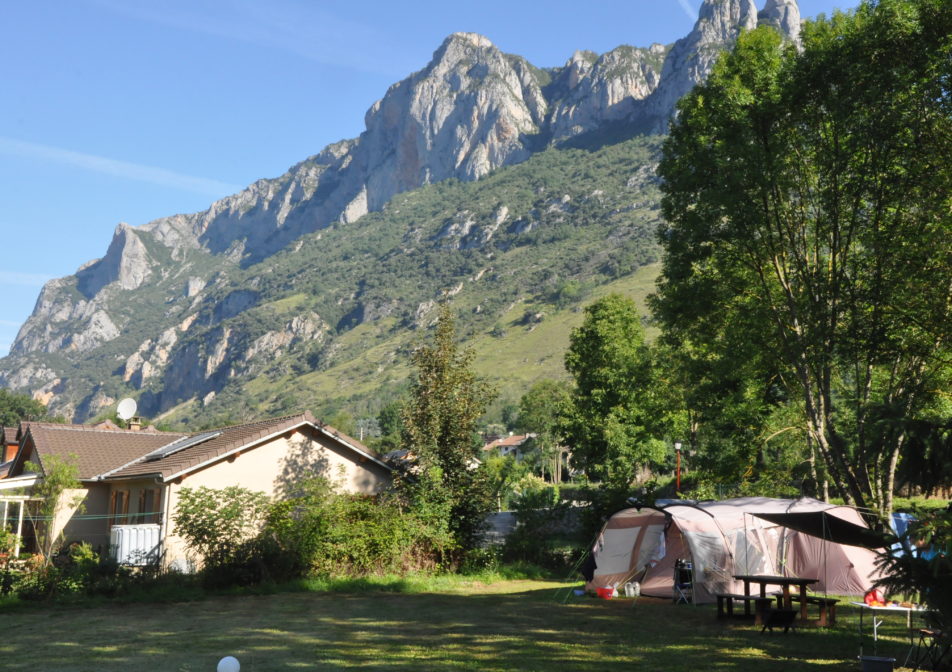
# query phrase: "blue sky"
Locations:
[[129, 110]]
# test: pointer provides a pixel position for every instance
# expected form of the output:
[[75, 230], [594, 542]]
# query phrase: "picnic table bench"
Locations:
[[827, 607], [725, 605]]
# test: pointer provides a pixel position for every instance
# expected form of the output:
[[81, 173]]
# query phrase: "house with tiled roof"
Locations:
[[508, 445], [132, 479]]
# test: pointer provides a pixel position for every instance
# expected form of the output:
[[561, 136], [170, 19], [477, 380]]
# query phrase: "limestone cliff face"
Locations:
[[783, 16], [607, 88], [467, 113], [127, 263], [159, 300], [471, 110], [62, 322], [692, 57]]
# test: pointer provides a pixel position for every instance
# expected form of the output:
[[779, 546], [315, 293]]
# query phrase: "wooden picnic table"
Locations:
[[785, 582]]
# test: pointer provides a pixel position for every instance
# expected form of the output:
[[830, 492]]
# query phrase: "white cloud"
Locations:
[[22, 280], [123, 169], [688, 9]]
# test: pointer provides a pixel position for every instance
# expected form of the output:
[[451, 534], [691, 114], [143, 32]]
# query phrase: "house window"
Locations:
[[148, 506], [119, 507]]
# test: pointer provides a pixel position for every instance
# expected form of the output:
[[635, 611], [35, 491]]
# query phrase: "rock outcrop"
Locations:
[[162, 297], [782, 15], [691, 58], [594, 90]]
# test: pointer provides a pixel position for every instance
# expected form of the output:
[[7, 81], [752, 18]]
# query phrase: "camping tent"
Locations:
[[725, 538]]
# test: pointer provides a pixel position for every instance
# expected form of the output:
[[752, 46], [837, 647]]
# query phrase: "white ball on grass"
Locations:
[[229, 664]]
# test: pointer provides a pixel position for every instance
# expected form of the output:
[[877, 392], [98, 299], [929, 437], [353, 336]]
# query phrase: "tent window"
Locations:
[[749, 558], [615, 557], [652, 547], [712, 563]]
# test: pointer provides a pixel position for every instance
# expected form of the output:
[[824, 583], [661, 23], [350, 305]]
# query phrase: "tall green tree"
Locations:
[[611, 422], [440, 419], [539, 411], [807, 199]]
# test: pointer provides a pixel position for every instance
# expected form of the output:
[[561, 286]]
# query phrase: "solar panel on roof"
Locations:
[[179, 445]]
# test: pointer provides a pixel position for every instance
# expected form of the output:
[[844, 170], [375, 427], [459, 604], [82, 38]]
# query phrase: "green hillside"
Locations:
[[328, 322], [575, 224], [517, 254]]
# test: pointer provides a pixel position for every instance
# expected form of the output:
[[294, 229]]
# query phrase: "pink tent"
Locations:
[[723, 539]]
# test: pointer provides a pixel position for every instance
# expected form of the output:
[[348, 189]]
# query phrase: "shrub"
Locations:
[[544, 532], [216, 524], [926, 568], [320, 532], [8, 541], [220, 525], [60, 475]]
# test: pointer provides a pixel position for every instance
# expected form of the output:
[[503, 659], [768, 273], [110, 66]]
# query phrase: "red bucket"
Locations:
[[605, 593]]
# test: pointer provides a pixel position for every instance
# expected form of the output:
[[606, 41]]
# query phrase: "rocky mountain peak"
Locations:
[[469, 111], [596, 90], [467, 39], [462, 116], [126, 262], [784, 15], [718, 25], [720, 21]]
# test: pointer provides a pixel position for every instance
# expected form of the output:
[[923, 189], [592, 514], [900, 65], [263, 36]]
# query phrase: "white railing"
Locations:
[[135, 544]]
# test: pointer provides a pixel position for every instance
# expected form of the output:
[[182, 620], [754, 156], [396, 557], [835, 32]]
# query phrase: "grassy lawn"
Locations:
[[508, 625]]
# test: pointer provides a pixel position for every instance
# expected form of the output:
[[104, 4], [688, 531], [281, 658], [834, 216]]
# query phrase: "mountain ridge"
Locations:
[[469, 112]]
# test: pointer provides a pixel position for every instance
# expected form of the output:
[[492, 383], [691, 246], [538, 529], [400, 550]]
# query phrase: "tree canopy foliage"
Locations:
[[539, 411], [611, 419], [440, 420], [808, 237], [16, 407]]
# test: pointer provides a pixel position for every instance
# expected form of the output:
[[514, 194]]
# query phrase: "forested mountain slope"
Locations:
[[512, 190]]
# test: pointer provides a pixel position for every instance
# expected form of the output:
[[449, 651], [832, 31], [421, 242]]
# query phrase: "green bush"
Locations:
[[321, 532], [544, 534], [221, 525], [76, 571], [926, 570], [215, 523], [919, 504]]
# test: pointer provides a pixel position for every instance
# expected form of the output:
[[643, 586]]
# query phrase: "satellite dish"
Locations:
[[126, 408]]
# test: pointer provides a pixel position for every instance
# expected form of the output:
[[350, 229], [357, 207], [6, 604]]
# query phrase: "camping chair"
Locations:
[[931, 649], [683, 582]]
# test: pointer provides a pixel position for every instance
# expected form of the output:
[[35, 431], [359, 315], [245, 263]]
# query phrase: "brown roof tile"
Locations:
[[96, 450], [9, 435], [511, 440], [231, 439]]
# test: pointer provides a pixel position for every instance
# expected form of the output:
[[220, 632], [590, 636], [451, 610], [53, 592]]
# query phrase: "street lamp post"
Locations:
[[677, 450]]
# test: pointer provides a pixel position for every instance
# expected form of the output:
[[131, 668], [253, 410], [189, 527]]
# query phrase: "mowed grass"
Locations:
[[506, 625]]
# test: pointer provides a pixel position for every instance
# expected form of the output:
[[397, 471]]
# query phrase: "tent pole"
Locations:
[[578, 563]]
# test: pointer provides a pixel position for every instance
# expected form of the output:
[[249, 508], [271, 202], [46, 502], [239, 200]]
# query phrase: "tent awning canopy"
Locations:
[[826, 526]]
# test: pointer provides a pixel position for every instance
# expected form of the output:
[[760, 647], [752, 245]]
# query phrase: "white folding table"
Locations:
[[877, 621]]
